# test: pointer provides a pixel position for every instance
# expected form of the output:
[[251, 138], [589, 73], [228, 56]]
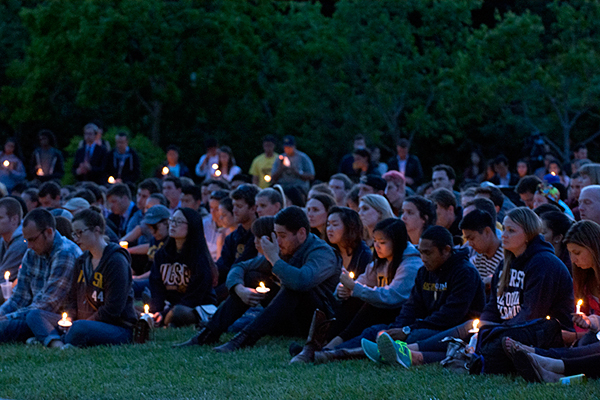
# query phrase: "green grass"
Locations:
[[155, 370]]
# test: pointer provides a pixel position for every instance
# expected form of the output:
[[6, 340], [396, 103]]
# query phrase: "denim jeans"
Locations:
[[371, 334], [14, 330], [82, 333]]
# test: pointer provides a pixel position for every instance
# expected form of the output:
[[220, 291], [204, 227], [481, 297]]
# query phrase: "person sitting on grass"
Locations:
[[531, 283], [183, 272], [100, 301], [44, 277], [308, 270], [378, 294], [447, 289]]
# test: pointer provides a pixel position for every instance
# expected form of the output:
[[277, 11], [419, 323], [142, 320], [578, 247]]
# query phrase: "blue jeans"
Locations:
[[371, 334], [14, 330], [82, 333]]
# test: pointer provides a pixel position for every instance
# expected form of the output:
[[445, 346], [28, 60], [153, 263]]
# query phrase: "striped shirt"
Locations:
[[487, 266], [44, 280]]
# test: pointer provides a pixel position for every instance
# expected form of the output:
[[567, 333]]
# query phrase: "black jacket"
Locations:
[[97, 162], [444, 298], [104, 294], [238, 246], [540, 285], [184, 277], [413, 168], [129, 171]]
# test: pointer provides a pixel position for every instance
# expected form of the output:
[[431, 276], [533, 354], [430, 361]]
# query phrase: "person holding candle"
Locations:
[[12, 170], [261, 166], [344, 234], [316, 210], [227, 164], [100, 302], [204, 168], [377, 295], [182, 273], [123, 162], [245, 283], [47, 161], [44, 278]]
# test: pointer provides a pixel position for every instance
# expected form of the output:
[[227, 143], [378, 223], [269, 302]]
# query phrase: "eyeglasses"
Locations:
[[35, 238], [77, 234], [176, 222]]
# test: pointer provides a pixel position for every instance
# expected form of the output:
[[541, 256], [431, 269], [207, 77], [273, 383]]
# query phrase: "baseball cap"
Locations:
[[289, 140], [155, 214], [376, 182], [76, 204]]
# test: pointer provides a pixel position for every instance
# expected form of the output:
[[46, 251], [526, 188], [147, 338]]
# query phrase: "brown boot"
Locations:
[[316, 338], [322, 357]]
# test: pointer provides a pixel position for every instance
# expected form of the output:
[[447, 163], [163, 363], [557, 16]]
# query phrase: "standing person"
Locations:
[[123, 162], [372, 209], [12, 170], [503, 177], [395, 190], [418, 214], [308, 270], [294, 167], [100, 301], [44, 278], [408, 164], [182, 273], [47, 161], [378, 294], [12, 244], [347, 164], [474, 172], [227, 167], [205, 167], [172, 167], [90, 160], [261, 166], [317, 209], [239, 245]]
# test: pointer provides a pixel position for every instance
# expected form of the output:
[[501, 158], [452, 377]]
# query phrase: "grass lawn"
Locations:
[[155, 370]]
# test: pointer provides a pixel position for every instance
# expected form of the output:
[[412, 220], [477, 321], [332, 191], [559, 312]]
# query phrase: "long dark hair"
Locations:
[[395, 230], [194, 248], [353, 228], [585, 234]]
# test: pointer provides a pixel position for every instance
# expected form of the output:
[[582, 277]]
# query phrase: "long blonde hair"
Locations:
[[379, 204], [585, 234], [532, 227]]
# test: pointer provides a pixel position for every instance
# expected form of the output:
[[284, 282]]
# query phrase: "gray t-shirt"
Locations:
[[301, 162]]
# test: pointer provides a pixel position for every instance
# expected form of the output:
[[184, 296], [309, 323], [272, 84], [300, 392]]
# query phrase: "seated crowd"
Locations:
[[374, 264]]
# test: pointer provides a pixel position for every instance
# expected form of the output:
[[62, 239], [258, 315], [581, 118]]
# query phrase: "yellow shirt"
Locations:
[[261, 167]]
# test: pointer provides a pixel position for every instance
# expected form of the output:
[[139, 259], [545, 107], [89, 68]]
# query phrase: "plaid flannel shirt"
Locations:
[[44, 281]]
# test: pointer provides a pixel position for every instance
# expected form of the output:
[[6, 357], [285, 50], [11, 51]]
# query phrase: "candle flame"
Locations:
[[124, 244], [547, 317], [351, 274], [165, 170], [579, 303], [40, 172], [111, 179], [6, 275], [64, 316], [553, 173], [215, 166], [6, 163], [262, 285], [475, 323], [217, 173], [286, 162], [146, 308], [267, 178]]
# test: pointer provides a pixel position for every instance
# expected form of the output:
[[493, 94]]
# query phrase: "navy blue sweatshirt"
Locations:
[[238, 246], [444, 298], [540, 285], [103, 294]]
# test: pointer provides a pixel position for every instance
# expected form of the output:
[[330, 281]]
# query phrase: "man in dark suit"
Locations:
[[90, 160], [503, 177], [123, 163], [407, 164]]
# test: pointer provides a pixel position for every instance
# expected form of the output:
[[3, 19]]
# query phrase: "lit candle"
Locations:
[[286, 161], [111, 179], [124, 244], [64, 322], [146, 309], [165, 171], [217, 173], [578, 309], [475, 329], [547, 317], [215, 166], [267, 178], [553, 173], [6, 163], [262, 288], [6, 276], [40, 172], [351, 274]]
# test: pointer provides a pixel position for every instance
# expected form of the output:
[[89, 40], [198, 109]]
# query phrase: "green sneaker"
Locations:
[[371, 350], [394, 352]]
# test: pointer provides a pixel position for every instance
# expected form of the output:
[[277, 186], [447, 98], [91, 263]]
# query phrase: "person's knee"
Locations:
[[181, 316], [33, 317]]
